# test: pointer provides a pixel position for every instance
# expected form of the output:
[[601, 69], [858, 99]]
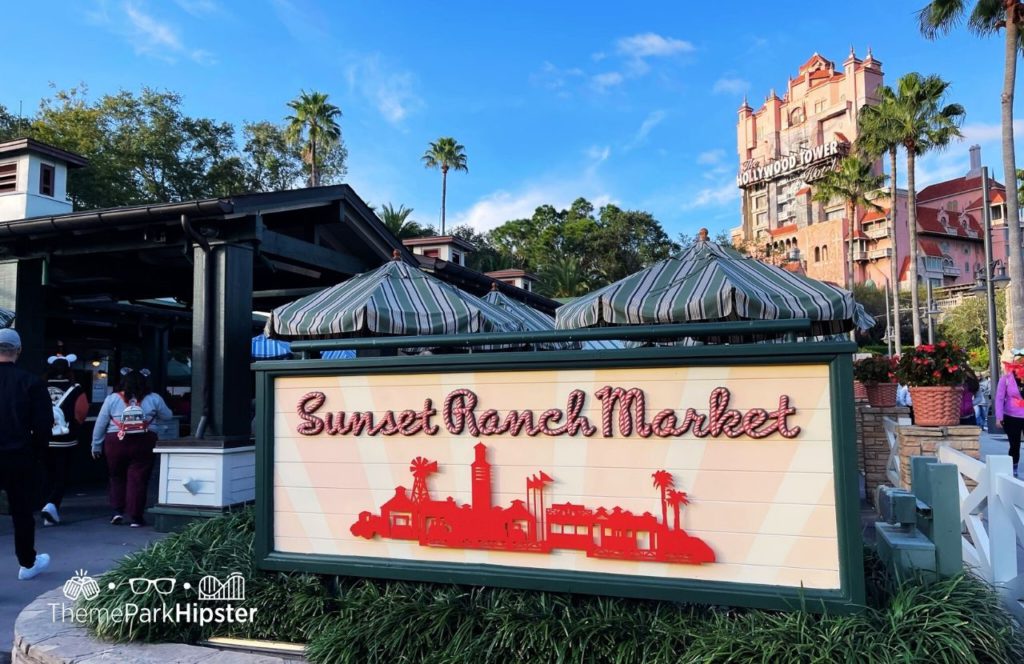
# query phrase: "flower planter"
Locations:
[[860, 391], [936, 406], [883, 395]]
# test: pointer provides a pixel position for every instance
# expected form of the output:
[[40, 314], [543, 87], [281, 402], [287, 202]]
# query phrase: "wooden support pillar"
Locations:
[[221, 333], [21, 289]]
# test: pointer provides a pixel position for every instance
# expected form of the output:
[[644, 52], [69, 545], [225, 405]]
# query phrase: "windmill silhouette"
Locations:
[[421, 469]]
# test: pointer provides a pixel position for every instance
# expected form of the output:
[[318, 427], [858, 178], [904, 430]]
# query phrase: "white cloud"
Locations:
[[732, 86], [602, 82], [713, 196], [599, 56], [638, 48], [653, 119], [598, 154], [651, 44], [989, 133], [711, 156], [553, 77], [500, 206], [146, 33], [392, 92]]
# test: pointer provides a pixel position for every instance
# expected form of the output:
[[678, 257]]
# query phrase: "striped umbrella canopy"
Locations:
[[394, 299], [6, 317], [265, 349], [346, 354], [538, 321], [708, 282]]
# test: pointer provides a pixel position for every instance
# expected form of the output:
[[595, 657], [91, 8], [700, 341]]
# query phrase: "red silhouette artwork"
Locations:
[[530, 526]]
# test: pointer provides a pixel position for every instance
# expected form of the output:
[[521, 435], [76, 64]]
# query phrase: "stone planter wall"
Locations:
[[872, 445], [925, 441]]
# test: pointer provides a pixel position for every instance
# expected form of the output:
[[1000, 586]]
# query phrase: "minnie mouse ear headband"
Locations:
[[70, 359], [127, 370]]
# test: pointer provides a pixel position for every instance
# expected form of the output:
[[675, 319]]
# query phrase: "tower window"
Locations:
[[46, 177], [8, 176]]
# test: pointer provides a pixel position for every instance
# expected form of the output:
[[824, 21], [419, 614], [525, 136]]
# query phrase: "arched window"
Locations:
[[817, 254], [824, 253]]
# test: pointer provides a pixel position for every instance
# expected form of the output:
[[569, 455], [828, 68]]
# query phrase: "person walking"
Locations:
[[26, 419], [971, 387], [982, 400], [122, 432], [70, 407], [1009, 403]]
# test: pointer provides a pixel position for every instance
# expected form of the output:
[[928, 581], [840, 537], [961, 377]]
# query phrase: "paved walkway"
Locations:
[[85, 540]]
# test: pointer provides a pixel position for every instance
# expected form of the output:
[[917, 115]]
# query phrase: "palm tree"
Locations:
[[850, 183], [878, 137], [988, 17], [663, 481], [676, 499], [563, 276], [921, 123], [314, 127], [398, 222], [447, 154]]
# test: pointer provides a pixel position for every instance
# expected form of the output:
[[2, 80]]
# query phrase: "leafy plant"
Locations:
[[875, 369], [931, 365], [354, 620]]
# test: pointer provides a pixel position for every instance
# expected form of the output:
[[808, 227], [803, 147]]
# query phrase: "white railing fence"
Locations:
[[992, 515], [892, 466]]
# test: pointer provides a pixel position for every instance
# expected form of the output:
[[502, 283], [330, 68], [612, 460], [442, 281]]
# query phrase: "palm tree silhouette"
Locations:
[[314, 126], [663, 481], [447, 154], [675, 499]]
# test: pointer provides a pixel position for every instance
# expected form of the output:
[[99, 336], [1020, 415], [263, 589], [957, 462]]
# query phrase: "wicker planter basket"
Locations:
[[883, 395], [860, 392], [936, 406]]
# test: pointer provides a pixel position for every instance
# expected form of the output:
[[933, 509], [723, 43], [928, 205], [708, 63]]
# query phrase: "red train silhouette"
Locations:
[[532, 528]]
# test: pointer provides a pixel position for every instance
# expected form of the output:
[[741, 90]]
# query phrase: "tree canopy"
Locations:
[[583, 249], [143, 148]]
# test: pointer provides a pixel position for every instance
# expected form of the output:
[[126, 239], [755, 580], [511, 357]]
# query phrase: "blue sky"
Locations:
[[633, 104]]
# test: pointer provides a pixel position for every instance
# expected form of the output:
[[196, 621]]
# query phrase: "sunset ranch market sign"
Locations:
[[812, 162], [714, 474]]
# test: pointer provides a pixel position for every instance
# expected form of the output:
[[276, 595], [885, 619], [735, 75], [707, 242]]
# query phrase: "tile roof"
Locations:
[[930, 247], [782, 230], [928, 222], [995, 198], [874, 215], [953, 187]]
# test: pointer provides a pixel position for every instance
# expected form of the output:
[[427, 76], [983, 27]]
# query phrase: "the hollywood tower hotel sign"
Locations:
[[725, 478], [790, 142]]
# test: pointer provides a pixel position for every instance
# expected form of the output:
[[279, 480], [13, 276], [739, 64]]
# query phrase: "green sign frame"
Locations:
[[836, 355]]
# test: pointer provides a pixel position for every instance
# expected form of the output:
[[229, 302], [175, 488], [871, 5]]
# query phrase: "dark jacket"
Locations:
[[26, 414]]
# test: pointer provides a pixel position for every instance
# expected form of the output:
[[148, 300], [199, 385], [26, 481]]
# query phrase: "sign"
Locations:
[[724, 481], [814, 162]]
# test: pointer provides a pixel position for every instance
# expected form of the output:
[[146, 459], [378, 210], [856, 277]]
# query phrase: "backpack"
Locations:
[[133, 420], [60, 422]]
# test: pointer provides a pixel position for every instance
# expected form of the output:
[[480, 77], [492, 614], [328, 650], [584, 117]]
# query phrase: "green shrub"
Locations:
[[365, 621]]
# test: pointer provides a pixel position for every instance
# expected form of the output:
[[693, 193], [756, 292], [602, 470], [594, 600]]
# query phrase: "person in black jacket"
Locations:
[[26, 419], [69, 398]]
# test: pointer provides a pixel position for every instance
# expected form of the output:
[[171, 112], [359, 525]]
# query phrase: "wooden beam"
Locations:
[[285, 292], [308, 254]]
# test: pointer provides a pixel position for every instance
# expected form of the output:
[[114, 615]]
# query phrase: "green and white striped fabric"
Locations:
[[532, 320], [708, 282], [394, 299], [6, 317]]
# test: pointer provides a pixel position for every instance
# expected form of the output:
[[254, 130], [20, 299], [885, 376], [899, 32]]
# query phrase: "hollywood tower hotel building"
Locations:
[[787, 144]]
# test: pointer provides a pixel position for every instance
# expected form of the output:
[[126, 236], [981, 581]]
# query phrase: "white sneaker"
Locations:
[[42, 562], [50, 515]]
